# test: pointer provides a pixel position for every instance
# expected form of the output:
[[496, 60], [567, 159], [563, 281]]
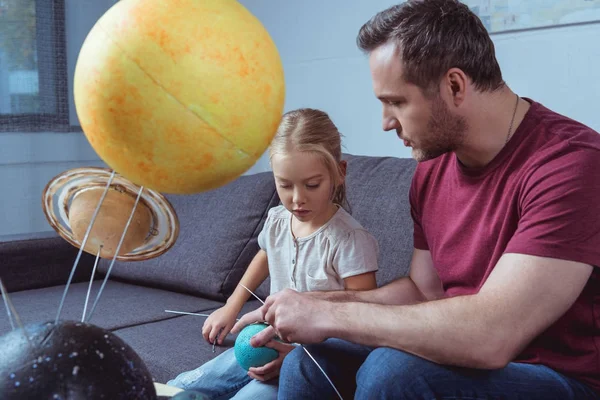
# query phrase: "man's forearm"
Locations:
[[429, 330], [399, 292]]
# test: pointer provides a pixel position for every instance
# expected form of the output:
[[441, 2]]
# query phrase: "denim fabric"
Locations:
[[384, 373], [222, 378]]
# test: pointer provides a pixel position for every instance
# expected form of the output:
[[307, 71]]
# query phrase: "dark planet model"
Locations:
[[68, 361]]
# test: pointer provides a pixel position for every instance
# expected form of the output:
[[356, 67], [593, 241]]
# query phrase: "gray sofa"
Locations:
[[217, 240]]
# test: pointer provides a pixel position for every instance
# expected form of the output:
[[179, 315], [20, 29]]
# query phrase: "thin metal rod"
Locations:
[[11, 309], [258, 298], [6, 300], [87, 296], [11, 306], [310, 355], [112, 263], [85, 238], [187, 313], [323, 371], [191, 313]]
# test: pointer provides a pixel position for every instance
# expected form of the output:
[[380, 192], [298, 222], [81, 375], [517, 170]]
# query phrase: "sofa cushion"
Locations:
[[217, 240], [176, 345], [377, 190], [120, 305]]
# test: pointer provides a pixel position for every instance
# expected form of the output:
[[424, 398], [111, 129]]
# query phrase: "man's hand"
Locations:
[[271, 370], [247, 319], [295, 318]]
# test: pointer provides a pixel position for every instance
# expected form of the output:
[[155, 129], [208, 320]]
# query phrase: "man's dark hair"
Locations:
[[434, 36]]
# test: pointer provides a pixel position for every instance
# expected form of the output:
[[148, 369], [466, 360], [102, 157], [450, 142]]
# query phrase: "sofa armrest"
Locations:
[[37, 263]]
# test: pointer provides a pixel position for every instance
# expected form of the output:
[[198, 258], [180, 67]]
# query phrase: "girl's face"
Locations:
[[304, 186]]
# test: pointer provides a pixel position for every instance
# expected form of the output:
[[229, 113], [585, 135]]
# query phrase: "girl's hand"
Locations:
[[271, 370], [221, 319]]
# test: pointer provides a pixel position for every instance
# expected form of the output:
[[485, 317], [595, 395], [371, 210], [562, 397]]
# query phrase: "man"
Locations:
[[503, 294]]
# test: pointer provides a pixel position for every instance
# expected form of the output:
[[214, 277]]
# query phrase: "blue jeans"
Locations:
[[223, 378], [360, 372]]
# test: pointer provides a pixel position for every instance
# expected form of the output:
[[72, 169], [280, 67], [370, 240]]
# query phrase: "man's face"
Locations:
[[424, 123]]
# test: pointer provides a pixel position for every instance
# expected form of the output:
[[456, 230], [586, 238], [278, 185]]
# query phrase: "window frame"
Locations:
[[51, 51]]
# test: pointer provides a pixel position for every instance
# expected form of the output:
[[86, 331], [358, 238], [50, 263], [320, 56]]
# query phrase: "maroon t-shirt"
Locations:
[[539, 196]]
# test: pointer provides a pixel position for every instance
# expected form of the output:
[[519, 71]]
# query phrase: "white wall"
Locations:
[[28, 160], [324, 69]]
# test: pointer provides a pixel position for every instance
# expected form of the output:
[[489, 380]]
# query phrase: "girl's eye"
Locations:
[[313, 186], [284, 186]]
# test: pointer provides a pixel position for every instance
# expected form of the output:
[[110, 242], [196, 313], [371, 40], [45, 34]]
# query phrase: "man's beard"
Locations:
[[445, 132]]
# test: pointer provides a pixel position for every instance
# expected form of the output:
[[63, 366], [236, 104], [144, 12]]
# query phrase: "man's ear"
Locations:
[[455, 85]]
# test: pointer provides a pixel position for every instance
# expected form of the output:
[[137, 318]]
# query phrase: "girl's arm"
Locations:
[[257, 272], [220, 322], [364, 281]]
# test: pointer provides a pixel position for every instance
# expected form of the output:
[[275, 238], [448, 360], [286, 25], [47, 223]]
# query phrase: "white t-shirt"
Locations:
[[339, 249]]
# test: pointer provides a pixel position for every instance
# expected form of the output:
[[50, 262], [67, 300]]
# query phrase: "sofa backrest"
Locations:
[[217, 240], [41, 262], [377, 190]]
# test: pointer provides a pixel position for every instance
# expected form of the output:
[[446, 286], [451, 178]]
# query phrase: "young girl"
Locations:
[[308, 243]]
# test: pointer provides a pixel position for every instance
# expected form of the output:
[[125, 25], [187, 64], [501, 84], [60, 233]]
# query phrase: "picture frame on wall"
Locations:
[[517, 15]]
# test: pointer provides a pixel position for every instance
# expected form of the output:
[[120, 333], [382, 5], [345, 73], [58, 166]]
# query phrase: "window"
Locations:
[[33, 66]]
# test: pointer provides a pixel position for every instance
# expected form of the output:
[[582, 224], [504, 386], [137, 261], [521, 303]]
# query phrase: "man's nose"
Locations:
[[390, 123]]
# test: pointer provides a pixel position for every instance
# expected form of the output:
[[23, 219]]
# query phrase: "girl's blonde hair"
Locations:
[[311, 130]]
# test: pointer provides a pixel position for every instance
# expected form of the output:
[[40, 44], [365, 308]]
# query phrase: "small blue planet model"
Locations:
[[248, 356]]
